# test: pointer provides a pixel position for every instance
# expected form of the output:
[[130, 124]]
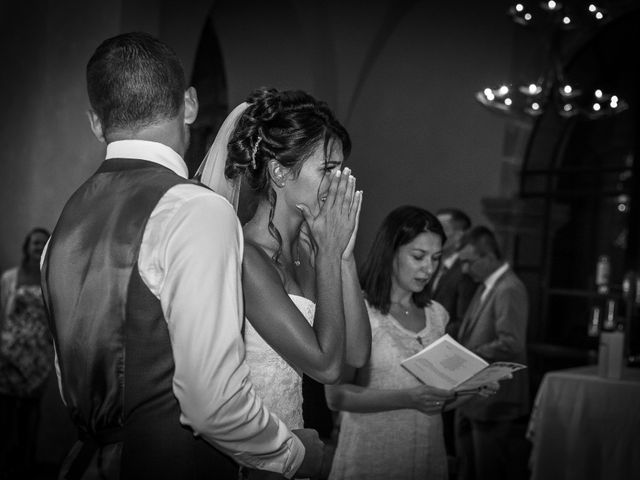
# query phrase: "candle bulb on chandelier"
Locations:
[[551, 5], [567, 110]]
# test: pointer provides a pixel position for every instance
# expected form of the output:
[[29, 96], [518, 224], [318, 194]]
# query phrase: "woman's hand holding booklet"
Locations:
[[448, 365]]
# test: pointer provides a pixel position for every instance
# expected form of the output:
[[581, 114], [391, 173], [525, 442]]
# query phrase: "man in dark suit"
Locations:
[[490, 432], [451, 288]]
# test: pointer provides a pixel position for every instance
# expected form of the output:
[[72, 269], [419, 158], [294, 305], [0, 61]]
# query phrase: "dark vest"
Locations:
[[111, 337]]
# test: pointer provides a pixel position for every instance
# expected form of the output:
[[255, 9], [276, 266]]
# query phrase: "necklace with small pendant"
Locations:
[[402, 308], [296, 259]]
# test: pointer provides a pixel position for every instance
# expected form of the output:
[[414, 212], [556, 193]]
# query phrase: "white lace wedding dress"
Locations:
[[276, 381]]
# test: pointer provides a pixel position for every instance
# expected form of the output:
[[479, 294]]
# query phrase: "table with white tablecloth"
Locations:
[[584, 426]]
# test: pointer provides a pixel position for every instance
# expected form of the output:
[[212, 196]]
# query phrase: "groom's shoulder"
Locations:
[[193, 193]]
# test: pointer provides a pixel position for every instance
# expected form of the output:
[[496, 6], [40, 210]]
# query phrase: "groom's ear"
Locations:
[[96, 125], [190, 105], [278, 173]]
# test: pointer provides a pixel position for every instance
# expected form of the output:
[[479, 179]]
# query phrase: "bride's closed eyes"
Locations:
[[330, 166]]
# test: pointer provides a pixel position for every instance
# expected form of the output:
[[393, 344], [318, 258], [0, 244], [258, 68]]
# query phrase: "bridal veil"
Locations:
[[211, 170]]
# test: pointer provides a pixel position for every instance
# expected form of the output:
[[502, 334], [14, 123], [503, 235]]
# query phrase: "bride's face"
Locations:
[[311, 185]]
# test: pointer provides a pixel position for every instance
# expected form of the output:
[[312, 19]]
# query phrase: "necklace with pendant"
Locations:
[[296, 260], [402, 308]]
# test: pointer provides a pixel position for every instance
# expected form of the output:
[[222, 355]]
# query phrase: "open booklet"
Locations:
[[448, 365]]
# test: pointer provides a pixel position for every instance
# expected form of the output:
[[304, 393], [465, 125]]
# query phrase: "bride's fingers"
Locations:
[[334, 181], [342, 189], [349, 196], [358, 206], [354, 215], [354, 200], [306, 213]]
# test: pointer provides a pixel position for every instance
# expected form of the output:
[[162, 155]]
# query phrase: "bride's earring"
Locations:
[[278, 173]]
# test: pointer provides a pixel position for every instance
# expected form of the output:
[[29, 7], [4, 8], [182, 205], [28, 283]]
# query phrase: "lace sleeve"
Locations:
[[439, 316]]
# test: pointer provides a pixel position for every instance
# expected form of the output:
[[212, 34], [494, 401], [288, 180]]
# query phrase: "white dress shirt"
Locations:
[[191, 260], [491, 280], [450, 260]]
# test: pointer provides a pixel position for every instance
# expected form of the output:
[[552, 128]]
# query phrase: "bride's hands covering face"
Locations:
[[348, 252], [335, 224]]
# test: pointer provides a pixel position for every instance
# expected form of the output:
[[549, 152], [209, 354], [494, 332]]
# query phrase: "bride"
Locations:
[[303, 302]]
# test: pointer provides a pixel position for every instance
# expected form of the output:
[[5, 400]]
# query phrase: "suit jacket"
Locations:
[[454, 291], [496, 330]]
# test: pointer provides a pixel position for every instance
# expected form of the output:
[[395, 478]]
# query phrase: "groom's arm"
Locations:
[[191, 259]]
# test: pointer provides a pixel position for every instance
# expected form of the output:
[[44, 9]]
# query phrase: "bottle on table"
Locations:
[[610, 322], [603, 274], [594, 323]]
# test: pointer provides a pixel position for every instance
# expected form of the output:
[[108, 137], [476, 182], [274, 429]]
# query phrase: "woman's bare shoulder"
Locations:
[[257, 264]]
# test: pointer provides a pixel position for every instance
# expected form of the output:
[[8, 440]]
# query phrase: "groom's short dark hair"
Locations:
[[134, 80]]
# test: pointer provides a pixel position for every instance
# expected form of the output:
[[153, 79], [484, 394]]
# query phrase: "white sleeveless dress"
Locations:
[[277, 382], [398, 444]]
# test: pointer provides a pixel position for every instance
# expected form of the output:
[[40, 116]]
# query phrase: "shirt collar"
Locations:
[[491, 280], [151, 151], [450, 260]]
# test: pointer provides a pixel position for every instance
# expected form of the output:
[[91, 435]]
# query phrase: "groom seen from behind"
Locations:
[[142, 282]]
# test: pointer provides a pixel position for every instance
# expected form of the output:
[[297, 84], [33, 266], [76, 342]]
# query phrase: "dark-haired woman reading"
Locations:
[[391, 425]]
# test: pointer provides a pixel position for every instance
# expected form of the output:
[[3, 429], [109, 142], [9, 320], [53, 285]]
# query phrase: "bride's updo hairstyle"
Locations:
[[286, 126]]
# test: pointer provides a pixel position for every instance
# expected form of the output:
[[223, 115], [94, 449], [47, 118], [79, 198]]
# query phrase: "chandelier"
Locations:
[[552, 89]]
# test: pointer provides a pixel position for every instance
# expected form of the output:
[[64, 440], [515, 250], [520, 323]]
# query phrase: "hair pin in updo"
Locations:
[[253, 154]]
